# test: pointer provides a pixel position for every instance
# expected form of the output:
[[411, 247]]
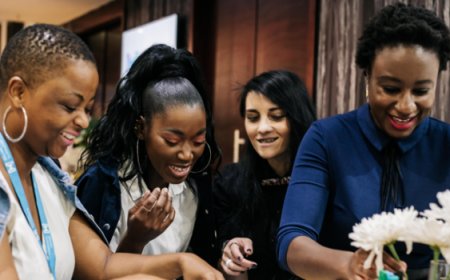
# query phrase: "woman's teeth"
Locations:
[[179, 169], [267, 140], [68, 136], [402, 120]]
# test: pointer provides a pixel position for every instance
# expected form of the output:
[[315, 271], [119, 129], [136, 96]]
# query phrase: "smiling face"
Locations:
[[58, 109], [267, 128], [174, 141], [401, 88]]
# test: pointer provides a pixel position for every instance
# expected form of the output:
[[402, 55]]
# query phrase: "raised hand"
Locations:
[[147, 219]]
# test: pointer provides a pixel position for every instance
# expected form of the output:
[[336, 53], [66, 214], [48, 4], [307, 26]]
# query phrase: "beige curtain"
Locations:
[[339, 82]]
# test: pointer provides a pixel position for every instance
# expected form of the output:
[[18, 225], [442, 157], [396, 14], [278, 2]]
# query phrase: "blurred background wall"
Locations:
[[235, 40]]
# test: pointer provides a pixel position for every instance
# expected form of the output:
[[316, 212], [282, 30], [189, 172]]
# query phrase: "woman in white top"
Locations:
[[48, 80], [147, 178]]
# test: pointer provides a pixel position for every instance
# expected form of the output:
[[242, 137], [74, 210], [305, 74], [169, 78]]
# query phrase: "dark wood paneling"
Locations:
[[235, 60], [111, 13], [111, 71], [253, 37], [203, 35], [96, 43], [286, 37]]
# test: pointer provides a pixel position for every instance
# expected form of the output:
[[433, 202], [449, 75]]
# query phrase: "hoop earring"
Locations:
[[25, 126], [137, 158], [207, 164]]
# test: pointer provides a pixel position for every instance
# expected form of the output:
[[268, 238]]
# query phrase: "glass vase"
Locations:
[[439, 270]]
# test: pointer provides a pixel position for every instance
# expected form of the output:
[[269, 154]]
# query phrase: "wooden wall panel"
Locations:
[[96, 43], [253, 37], [112, 54], [286, 37], [111, 13], [235, 64]]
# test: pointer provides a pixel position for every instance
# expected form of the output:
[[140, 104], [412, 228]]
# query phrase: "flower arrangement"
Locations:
[[430, 227]]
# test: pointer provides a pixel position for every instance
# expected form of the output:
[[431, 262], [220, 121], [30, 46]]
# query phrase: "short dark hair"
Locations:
[[39, 51], [401, 24]]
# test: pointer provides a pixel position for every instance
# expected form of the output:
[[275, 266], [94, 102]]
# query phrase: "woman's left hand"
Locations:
[[234, 260]]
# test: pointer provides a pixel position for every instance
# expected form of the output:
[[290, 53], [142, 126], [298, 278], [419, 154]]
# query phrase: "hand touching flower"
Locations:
[[372, 234]]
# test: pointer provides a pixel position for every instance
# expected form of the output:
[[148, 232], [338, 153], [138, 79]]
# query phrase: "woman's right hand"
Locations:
[[358, 272], [234, 260], [147, 219], [195, 268]]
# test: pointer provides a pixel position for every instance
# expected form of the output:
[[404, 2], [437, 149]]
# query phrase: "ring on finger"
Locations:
[[228, 262]]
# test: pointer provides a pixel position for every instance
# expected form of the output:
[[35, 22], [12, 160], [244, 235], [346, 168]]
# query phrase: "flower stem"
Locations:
[[395, 255], [393, 251], [435, 262], [436, 253]]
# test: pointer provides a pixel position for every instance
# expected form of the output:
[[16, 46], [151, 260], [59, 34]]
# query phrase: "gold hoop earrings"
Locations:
[[207, 164], [25, 126]]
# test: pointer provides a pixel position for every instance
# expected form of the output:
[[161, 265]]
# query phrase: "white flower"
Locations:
[[437, 212], [434, 228], [371, 234], [434, 233]]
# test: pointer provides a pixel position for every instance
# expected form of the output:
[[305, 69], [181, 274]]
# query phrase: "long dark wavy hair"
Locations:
[[114, 137], [286, 90]]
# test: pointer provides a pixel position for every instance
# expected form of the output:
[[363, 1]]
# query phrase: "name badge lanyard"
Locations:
[[10, 166]]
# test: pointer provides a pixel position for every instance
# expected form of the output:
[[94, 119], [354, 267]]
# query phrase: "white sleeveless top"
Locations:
[[28, 257], [177, 235]]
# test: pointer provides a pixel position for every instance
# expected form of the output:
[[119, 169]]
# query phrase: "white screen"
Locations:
[[138, 39]]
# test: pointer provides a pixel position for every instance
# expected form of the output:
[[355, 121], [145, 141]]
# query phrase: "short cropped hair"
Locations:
[[401, 24], [40, 51]]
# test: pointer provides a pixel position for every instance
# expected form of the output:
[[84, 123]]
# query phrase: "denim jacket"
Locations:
[[63, 181]]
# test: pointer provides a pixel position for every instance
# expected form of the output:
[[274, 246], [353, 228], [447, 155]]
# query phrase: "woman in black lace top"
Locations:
[[249, 195]]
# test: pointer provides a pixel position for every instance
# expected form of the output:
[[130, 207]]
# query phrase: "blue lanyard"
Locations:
[[10, 166]]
